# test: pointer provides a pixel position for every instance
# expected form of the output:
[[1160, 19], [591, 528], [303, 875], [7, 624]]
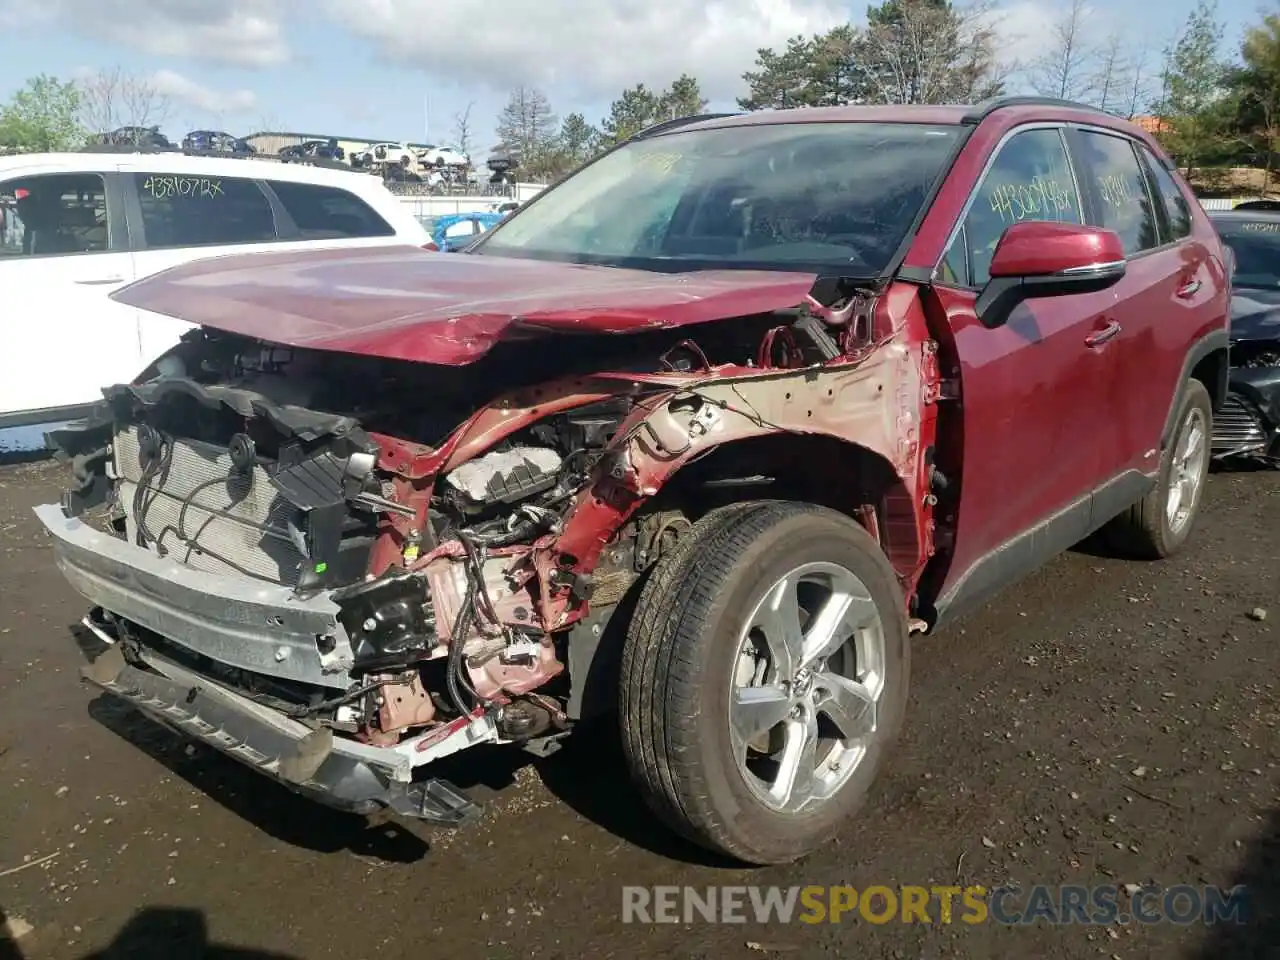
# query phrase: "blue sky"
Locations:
[[388, 68]]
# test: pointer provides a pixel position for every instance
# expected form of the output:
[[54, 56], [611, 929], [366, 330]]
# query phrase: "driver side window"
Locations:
[[1030, 179]]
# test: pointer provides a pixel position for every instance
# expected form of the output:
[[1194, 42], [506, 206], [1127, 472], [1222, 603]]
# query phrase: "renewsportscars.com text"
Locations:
[[1054, 905]]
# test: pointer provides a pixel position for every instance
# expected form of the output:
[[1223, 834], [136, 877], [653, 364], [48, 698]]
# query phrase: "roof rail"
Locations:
[[987, 107], [127, 148], [664, 126]]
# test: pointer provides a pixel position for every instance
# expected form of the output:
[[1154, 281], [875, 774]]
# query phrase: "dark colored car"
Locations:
[[1248, 425], [216, 141], [702, 437], [313, 150], [143, 137]]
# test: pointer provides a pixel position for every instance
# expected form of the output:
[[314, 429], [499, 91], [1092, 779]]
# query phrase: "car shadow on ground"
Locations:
[[1258, 937], [157, 933]]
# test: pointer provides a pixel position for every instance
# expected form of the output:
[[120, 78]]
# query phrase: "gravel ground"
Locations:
[[1102, 723]]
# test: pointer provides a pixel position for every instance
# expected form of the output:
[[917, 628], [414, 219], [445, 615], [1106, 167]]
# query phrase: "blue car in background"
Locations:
[[216, 141], [454, 231]]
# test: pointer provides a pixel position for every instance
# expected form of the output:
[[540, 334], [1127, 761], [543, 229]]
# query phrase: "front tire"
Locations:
[[764, 679], [1158, 525]]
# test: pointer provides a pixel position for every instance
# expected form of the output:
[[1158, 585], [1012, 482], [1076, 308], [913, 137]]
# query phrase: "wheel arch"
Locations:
[[1208, 361], [816, 468]]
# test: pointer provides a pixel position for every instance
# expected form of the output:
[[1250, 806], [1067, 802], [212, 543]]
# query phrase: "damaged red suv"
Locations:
[[698, 438]]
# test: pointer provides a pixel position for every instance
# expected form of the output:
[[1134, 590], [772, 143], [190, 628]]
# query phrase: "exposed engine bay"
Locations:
[[384, 553]]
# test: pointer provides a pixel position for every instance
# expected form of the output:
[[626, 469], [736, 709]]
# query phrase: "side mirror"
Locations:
[[1040, 258]]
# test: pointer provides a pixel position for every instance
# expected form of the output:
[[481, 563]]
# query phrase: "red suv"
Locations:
[[698, 437]]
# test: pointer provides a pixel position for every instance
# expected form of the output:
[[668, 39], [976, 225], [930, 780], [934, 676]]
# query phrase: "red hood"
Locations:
[[408, 304]]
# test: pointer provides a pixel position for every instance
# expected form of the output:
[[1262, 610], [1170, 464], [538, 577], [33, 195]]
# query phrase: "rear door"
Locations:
[[63, 249], [178, 218], [188, 217], [1033, 392], [1167, 285]]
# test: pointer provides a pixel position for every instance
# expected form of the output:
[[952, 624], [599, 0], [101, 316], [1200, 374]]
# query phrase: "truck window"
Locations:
[[328, 213], [1124, 202], [53, 214], [179, 210], [1175, 202], [1030, 179]]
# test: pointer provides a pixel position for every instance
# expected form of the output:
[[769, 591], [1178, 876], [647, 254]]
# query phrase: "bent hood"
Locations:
[[407, 304]]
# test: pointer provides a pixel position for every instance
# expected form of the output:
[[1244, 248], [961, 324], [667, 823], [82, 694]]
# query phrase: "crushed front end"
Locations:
[[339, 568]]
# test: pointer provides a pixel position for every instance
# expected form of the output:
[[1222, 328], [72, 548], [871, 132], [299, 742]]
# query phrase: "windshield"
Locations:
[[777, 196], [1256, 246]]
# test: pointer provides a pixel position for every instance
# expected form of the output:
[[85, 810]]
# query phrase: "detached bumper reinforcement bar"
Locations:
[[338, 773]]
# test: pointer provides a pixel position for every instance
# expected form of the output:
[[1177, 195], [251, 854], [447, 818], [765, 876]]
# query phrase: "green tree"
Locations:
[[41, 117], [930, 51], [1194, 108], [798, 76], [579, 141], [636, 109], [780, 80], [834, 73], [1256, 88], [682, 99]]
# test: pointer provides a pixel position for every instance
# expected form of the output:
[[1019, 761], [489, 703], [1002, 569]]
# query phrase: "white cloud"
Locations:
[[185, 90], [589, 50], [244, 32]]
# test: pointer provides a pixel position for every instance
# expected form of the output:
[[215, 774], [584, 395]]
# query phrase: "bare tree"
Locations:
[[1139, 94], [527, 123], [115, 98], [270, 123], [462, 134], [1110, 80], [1065, 69], [916, 51]]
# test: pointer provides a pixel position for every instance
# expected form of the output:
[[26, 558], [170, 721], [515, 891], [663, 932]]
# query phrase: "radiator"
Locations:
[[235, 524]]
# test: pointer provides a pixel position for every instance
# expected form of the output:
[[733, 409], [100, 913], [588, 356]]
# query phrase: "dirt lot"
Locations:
[[1105, 723]]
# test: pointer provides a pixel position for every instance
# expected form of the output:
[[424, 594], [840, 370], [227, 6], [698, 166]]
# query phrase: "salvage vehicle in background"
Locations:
[[76, 226], [397, 154], [1248, 425], [143, 138], [216, 141], [313, 150], [700, 435]]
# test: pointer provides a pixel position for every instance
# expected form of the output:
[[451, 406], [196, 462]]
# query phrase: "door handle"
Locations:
[[101, 281], [1189, 289], [1098, 337]]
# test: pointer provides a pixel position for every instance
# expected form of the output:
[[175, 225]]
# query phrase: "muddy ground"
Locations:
[[1103, 723]]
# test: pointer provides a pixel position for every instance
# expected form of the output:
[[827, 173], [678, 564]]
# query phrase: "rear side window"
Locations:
[[1120, 189], [1175, 202], [53, 214], [195, 211], [1030, 179], [328, 213]]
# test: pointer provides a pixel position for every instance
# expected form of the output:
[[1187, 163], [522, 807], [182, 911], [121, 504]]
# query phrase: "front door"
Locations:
[[62, 251], [1034, 392]]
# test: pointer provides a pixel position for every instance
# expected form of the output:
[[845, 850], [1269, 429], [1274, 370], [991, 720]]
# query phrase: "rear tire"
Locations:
[[1158, 525], [721, 719]]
